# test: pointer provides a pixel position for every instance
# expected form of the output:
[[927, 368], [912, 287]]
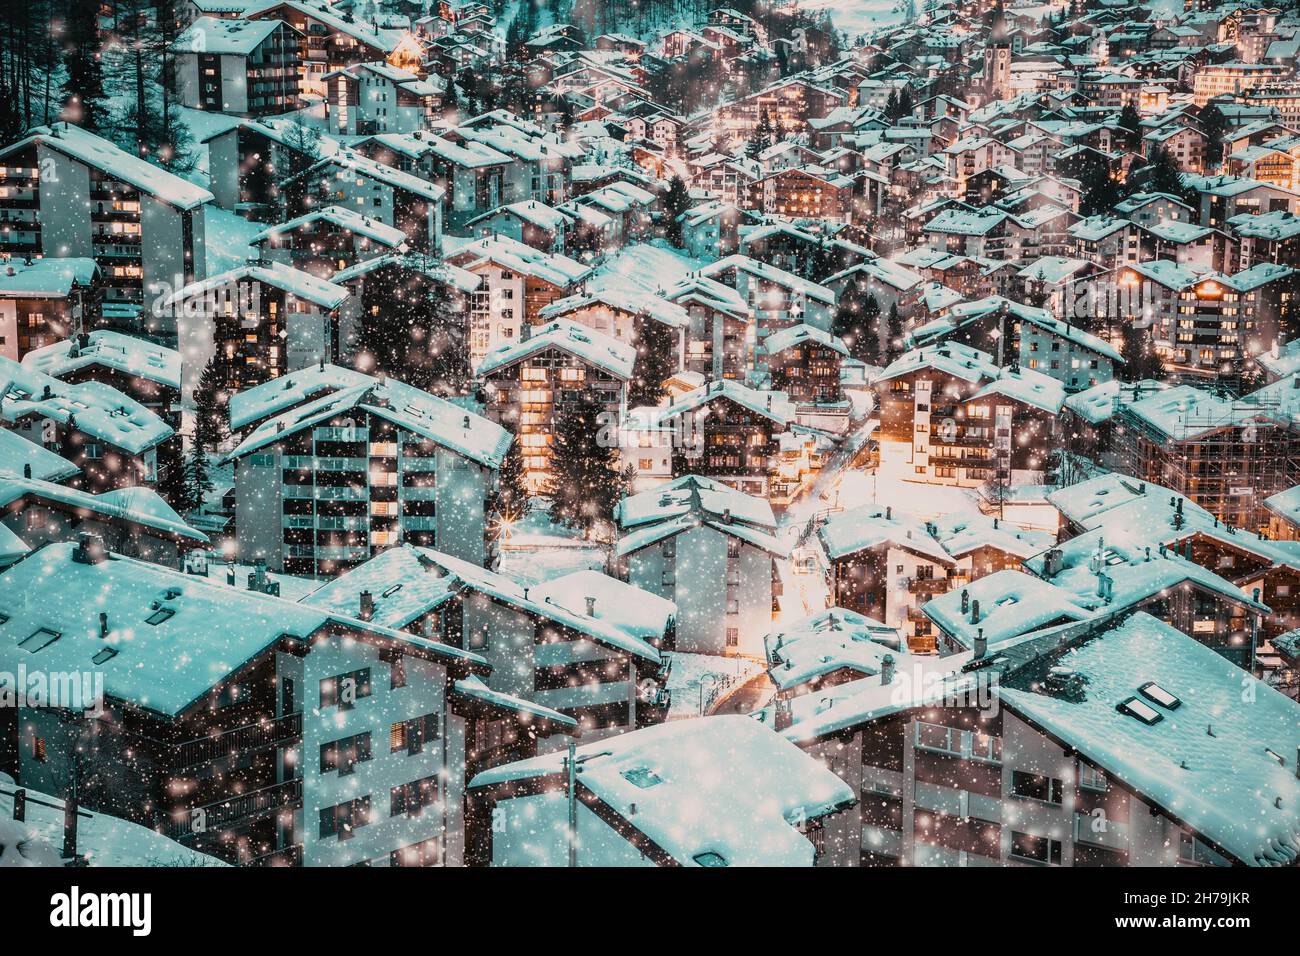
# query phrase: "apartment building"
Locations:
[[551, 368], [360, 469], [43, 301], [68, 193], [241, 67], [712, 551]]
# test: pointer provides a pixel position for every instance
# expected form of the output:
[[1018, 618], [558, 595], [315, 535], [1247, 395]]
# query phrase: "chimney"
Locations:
[[465, 423], [889, 513], [965, 601], [103, 625], [525, 592], [726, 516], [887, 669], [70, 828], [975, 612], [981, 644], [591, 607], [27, 469], [89, 549], [784, 717], [367, 611]]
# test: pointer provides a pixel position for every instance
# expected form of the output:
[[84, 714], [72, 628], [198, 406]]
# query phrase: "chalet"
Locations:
[[806, 363], [516, 283], [724, 543], [239, 67], [548, 369], [529, 222], [1014, 742], [263, 745], [584, 644], [712, 229], [949, 415], [371, 98], [327, 240], [630, 794], [114, 440], [730, 432], [263, 319], [142, 225], [362, 468], [43, 301], [719, 321]]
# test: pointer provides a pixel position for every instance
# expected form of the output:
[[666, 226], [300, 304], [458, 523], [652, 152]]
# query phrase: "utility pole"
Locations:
[[571, 779]]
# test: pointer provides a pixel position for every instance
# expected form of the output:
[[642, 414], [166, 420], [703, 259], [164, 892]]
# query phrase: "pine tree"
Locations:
[[86, 103], [895, 333], [676, 202], [585, 482], [856, 321], [409, 330], [1131, 123], [512, 500], [1140, 359], [655, 361], [171, 483], [1215, 126], [211, 411], [197, 482], [763, 134], [300, 152]]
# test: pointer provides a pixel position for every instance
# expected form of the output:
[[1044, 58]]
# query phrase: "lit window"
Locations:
[[1154, 692], [1140, 710]]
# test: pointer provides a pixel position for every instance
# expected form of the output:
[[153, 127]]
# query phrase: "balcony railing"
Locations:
[[230, 812], [271, 733]]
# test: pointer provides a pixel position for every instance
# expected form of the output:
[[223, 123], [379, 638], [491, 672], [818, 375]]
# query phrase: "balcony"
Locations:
[[928, 586], [231, 812], [259, 736]]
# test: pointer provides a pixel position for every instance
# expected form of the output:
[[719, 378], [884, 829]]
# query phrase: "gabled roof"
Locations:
[[772, 405], [123, 353], [581, 341], [293, 388], [342, 217], [440, 421]]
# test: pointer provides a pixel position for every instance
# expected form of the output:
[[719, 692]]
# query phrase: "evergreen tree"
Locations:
[[895, 333], [409, 330], [656, 346], [171, 483], [512, 501], [1131, 123], [85, 103], [585, 482], [763, 136], [197, 482], [300, 152], [1100, 191], [1140, 359], [1215, 126], [1162, 175], [676, 201], [211, 411], [856, 321]]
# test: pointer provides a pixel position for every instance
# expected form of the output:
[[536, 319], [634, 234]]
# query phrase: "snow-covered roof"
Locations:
[[16, 452], [690, 502], [293, 388], [135, 505], [952, 358], [407, 582], [833, 640], [1010, 603], [1183, 412], [779, 341], [407, 407], [559, 270], [718, 791], [222, 36], [99, 153], [581, 341], [773, 405], [95, 409], [1218, 767], [530, 211], [621, 299], [343, 218], [474, 688], [770, 273], [127, 354], [870, 526], [46, 278], [1101, 402], [962, 532], [378, 38], [351, 163], [102, 839], [302, 285]]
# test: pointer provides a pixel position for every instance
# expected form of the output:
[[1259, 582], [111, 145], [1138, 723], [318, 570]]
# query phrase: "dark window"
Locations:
[[1036, 787]]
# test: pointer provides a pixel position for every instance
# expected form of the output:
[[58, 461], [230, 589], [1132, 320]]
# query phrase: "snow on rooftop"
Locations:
[[45, 278], [1209, 761], [17, 452], [717, 791], [1010, 603], [442, 422], [102, 839], [1100, 403], [95, 409], [343, 218], [870, 526], [100, 154], [279, 394], [225, 37], [773, 405], [596, 348], [833, 640], [127, 354]]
